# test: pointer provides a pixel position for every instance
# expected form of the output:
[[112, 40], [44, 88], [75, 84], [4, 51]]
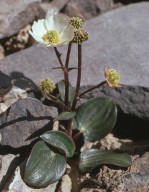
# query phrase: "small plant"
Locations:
[[93, 119]]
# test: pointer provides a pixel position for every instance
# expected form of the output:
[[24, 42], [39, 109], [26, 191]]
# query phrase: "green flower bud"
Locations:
[[76, 22], [47, 86], [80, 35], [112, 76]]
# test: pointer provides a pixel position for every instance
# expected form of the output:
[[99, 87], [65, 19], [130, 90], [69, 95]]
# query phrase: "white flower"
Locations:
[[53, 31]]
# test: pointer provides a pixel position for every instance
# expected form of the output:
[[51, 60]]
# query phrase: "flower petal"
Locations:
[[37, 38], [56, 22], [49, 22], [67, 34], [39, 28]]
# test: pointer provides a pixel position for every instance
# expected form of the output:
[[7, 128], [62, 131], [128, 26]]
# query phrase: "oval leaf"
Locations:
[[44, 166], [65, 116], [96, 118], [61, 88], [60, 140], [92, 158]]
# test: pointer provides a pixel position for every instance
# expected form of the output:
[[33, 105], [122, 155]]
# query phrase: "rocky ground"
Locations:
[[118, 38]]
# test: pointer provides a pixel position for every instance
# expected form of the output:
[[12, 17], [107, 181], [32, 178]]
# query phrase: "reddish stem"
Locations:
[[78, 78]]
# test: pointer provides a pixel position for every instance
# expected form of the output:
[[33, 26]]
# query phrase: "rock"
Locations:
[[11, 97], [3, 107], [8, 164], [141, 164], [18, 185], [5, 84], [133, 109], [2, 55], [5, 163], [137, 181], [66, 185], [138, 178], [135, 106], [24, 121], [13, 18], [85, 9], [18, 42], [89, 9], [105, 5], [115, 41]]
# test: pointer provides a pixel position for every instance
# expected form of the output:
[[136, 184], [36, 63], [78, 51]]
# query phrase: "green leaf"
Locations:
[[96, 118], [65, 116], [60, 140], [61, 88], [92, 158], [43, 166]]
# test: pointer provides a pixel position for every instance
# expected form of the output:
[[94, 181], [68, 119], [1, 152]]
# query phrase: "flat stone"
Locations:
[[141, 164], [115, 41], [2, 54], [134, 106], [5, 84], [136, 181], [11, 97], [24, 121], [88, 9], [16, 14], [17, 185], [5, 163], [85, 9]]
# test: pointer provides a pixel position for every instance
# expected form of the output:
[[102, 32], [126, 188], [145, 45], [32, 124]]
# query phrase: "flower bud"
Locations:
[[47, 86], [112, 77], [80, 35], [76, 22]]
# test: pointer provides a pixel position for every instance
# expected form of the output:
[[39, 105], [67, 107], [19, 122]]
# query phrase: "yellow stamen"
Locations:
[[52, 37]]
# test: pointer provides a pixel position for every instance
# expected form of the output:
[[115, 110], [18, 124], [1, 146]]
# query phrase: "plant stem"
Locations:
[[76, 136], [66, 74], [59, 57], [59, 102], [68, 55], [79, 76], [69, 127], [95, 87]]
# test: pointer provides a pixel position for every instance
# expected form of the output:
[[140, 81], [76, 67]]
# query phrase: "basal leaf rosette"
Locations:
[[53, 31]]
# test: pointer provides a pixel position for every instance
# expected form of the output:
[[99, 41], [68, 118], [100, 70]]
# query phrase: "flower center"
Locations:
[[51, 37]]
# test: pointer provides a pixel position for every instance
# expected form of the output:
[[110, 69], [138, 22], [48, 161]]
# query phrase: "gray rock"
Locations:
[[5, 84], [136, 103], [5, 163], [138, 178], [141, 164], [2, 54], [88, 9], [136, 181], [16, 14], [85, 9], [17, 185], [8, 164], [115, 41], [105, 5], [24, 121]]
